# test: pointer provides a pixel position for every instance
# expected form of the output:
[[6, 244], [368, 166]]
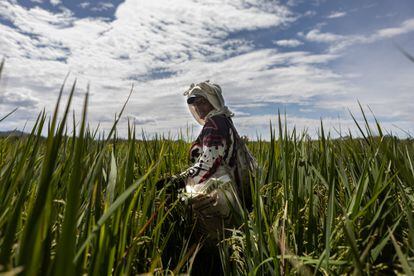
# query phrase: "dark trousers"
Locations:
[[207, 260]]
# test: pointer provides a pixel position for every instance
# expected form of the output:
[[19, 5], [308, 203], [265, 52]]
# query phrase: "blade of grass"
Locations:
[[67, 242]]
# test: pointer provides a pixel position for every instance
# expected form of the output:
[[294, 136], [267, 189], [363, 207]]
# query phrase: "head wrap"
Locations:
[[212, 92]]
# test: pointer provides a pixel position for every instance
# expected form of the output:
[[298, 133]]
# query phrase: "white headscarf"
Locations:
[[212, 92]]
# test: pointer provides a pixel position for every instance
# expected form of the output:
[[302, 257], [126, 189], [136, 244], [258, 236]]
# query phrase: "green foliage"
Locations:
[[330, 205], [81, 204]]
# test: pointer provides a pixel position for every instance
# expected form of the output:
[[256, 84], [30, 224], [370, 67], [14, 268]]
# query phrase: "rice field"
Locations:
[[84, 203]]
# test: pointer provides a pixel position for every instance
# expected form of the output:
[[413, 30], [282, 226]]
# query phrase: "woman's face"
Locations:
[[203, 107]]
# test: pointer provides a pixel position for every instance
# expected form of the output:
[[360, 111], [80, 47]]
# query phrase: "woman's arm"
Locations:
[[211, 150]]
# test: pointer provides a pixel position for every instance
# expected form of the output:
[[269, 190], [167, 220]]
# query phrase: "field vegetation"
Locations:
[[84, 203]]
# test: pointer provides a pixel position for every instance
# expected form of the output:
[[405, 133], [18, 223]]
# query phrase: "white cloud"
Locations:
[[405, 27], [84, 5], [288, 42], [184, 39], [310, 13], [103, 6], [340, 42], [21, 98], [316, 35], [141, 120], [336, 14], [292, 3], [55, 2]]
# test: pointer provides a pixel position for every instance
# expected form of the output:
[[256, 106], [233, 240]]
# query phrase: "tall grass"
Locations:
[[330, 205], [80, 203]]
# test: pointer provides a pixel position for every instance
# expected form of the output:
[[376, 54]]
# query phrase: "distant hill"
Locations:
[[13, 133]]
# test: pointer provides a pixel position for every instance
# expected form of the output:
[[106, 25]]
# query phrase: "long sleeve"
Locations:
[[210, 152]]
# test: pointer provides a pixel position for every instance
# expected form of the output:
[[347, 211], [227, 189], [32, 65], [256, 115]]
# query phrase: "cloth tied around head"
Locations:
[[211, 92]]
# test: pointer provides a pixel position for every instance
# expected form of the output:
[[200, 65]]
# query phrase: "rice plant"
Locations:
[[84, 203]]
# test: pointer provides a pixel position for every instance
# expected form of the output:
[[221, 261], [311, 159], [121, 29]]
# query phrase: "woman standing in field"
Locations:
[[211, 181], [216, 183]]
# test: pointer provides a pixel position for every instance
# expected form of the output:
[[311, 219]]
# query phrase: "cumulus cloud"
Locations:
[[162, 47], [84, 5], [340, 42], [55, 2], [336, 14], [144, 121], [21, 98], [288, 42], [318, 36], [310, 13], [405, 27], [103, 6], [379, 77], [293, 3], [145, 39]]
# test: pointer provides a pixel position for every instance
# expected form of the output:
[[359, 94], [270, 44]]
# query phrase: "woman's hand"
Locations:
[[211, 205]]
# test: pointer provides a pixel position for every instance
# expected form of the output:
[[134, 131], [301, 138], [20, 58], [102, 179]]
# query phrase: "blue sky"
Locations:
[[310, 59]]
